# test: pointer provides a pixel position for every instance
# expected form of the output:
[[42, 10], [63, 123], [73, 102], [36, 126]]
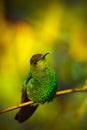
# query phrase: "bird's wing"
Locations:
[[25, 112], [24, 97], [24, 86]]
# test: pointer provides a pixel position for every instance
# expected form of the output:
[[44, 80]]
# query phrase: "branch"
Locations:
[[63, 92]]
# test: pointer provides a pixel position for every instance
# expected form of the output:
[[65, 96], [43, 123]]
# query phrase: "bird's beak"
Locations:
[[46, 53]]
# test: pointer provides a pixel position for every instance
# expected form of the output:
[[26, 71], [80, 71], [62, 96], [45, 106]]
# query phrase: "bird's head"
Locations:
[[38, 60]]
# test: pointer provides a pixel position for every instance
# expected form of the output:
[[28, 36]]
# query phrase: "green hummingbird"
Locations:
[[39, 87]]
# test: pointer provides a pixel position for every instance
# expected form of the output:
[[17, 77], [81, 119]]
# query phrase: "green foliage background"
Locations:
[[29, 27]]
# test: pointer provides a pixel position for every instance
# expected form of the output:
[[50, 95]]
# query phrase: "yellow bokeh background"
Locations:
[[28, 28]]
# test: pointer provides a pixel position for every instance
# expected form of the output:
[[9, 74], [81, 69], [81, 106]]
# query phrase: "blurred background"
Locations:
[[28, 27]]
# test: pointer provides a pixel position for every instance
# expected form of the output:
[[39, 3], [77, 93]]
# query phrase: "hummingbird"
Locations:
[[40, 86]]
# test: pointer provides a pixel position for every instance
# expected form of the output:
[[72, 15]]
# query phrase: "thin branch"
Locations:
[[63, 92], [15, 107]]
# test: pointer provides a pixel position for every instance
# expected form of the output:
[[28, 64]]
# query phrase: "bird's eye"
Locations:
[[34, 62]]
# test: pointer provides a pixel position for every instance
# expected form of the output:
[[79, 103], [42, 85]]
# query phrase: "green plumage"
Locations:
[[40, 86], [43, 84]]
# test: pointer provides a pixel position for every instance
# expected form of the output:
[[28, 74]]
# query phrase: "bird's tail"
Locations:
[[25, 112]]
